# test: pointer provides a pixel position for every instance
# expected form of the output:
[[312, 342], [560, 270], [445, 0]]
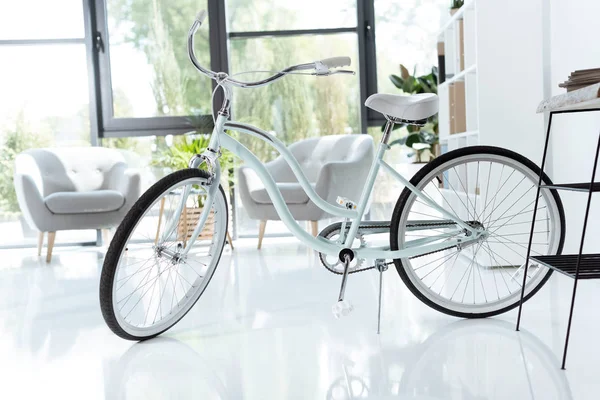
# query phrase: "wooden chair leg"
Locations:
[[261, 232], [160, 215], [51, 237], [186, 228], [40, 243], [106, 237], [314, 227], [230, 240]]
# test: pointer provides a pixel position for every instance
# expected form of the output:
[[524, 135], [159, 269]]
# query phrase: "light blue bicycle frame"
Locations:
[[413, 248]]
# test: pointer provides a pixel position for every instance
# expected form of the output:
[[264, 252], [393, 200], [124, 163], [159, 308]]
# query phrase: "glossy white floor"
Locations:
[[264, 330]]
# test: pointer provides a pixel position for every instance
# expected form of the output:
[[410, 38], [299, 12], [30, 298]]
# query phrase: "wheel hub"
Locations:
[[481, 233], [174, 256]]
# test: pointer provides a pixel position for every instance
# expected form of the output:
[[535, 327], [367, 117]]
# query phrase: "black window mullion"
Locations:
[[95, 107], [369, 59], [219, 56], [103, 65]]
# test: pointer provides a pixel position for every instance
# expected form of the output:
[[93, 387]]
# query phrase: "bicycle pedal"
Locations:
[[346, 203], [342, 309]]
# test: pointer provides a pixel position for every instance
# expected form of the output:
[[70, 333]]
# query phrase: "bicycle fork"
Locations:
[[213, 185]]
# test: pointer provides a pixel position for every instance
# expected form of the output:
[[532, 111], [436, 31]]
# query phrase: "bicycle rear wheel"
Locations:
[[146, 287], [488, 187]]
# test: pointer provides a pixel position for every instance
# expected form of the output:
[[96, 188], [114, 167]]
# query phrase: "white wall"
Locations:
[[573, 45], [509, 65]]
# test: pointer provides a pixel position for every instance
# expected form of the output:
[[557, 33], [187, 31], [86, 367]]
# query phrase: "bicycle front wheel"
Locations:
[[147, 284], [490, 188]]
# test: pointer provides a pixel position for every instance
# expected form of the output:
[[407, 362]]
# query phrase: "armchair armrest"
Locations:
[[129, 184], [31, 202], [248, 180]]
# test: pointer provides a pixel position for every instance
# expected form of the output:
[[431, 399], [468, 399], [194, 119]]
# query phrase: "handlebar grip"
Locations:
[[336, 62], [201, 16]]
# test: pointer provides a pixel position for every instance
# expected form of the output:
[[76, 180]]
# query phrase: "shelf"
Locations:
[[457, 15], [587, 98], [460, 75], [575, 187], [589, 267]]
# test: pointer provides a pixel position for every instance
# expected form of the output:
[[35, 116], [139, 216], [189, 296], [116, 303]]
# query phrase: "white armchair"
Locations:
[[337, 165], [73, 188]]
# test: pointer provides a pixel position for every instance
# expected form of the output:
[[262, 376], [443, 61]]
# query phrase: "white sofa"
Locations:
[[336, 165], [73, 188]]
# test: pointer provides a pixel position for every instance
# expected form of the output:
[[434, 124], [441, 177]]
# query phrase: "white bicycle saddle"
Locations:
[[416, 107]]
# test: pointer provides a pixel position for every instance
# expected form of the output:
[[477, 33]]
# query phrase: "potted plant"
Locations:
[[176, 157], [455, 5], [423, 140]]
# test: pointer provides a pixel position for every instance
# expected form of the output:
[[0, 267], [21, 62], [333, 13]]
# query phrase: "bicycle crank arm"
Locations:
[[343, 307]]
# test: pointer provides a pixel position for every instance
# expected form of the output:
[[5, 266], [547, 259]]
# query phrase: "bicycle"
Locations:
[[461, 216]]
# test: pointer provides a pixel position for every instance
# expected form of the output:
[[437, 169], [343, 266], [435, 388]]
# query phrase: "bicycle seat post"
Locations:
[[387, 131]]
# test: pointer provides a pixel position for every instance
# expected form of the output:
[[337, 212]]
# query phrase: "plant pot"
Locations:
[[436, 150], [188, 221], [453, 11]]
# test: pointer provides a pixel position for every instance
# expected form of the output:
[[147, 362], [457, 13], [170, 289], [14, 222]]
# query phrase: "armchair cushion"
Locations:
[[97, 201], [292, 194]]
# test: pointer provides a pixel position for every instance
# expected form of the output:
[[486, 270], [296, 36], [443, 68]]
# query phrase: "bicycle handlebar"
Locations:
[[201, 16], [321, 68]]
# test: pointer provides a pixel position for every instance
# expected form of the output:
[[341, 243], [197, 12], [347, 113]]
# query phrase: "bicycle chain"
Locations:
[[332, 228]]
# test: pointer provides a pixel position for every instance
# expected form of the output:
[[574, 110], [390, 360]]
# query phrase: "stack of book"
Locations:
[[581, 78]]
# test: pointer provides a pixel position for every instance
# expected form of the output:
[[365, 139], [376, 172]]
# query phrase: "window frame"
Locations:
[[365, 32], [83, 40], [105, 125], [110, 127]]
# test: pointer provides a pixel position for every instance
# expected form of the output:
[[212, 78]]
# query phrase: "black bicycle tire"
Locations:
[[421, 174], [111, 261]]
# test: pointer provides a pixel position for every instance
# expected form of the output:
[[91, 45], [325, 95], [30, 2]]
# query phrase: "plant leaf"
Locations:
[[425, 86], [404, 72], [412, 139], [397, 81]]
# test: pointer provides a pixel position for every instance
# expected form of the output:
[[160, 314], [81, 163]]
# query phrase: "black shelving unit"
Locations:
[[576, 266]]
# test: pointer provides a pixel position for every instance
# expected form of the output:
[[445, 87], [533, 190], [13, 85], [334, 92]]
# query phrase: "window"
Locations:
[[44, 99], [148, 81], [145, 89], [406, 34], [41, 20], [273, 15], [297, 106], [272, 35]]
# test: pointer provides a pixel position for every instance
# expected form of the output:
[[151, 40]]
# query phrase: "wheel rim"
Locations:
[[485, 277], [150, 290]]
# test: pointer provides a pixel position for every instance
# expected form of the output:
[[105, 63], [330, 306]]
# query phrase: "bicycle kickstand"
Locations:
[[343, 307], [381, 267]]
